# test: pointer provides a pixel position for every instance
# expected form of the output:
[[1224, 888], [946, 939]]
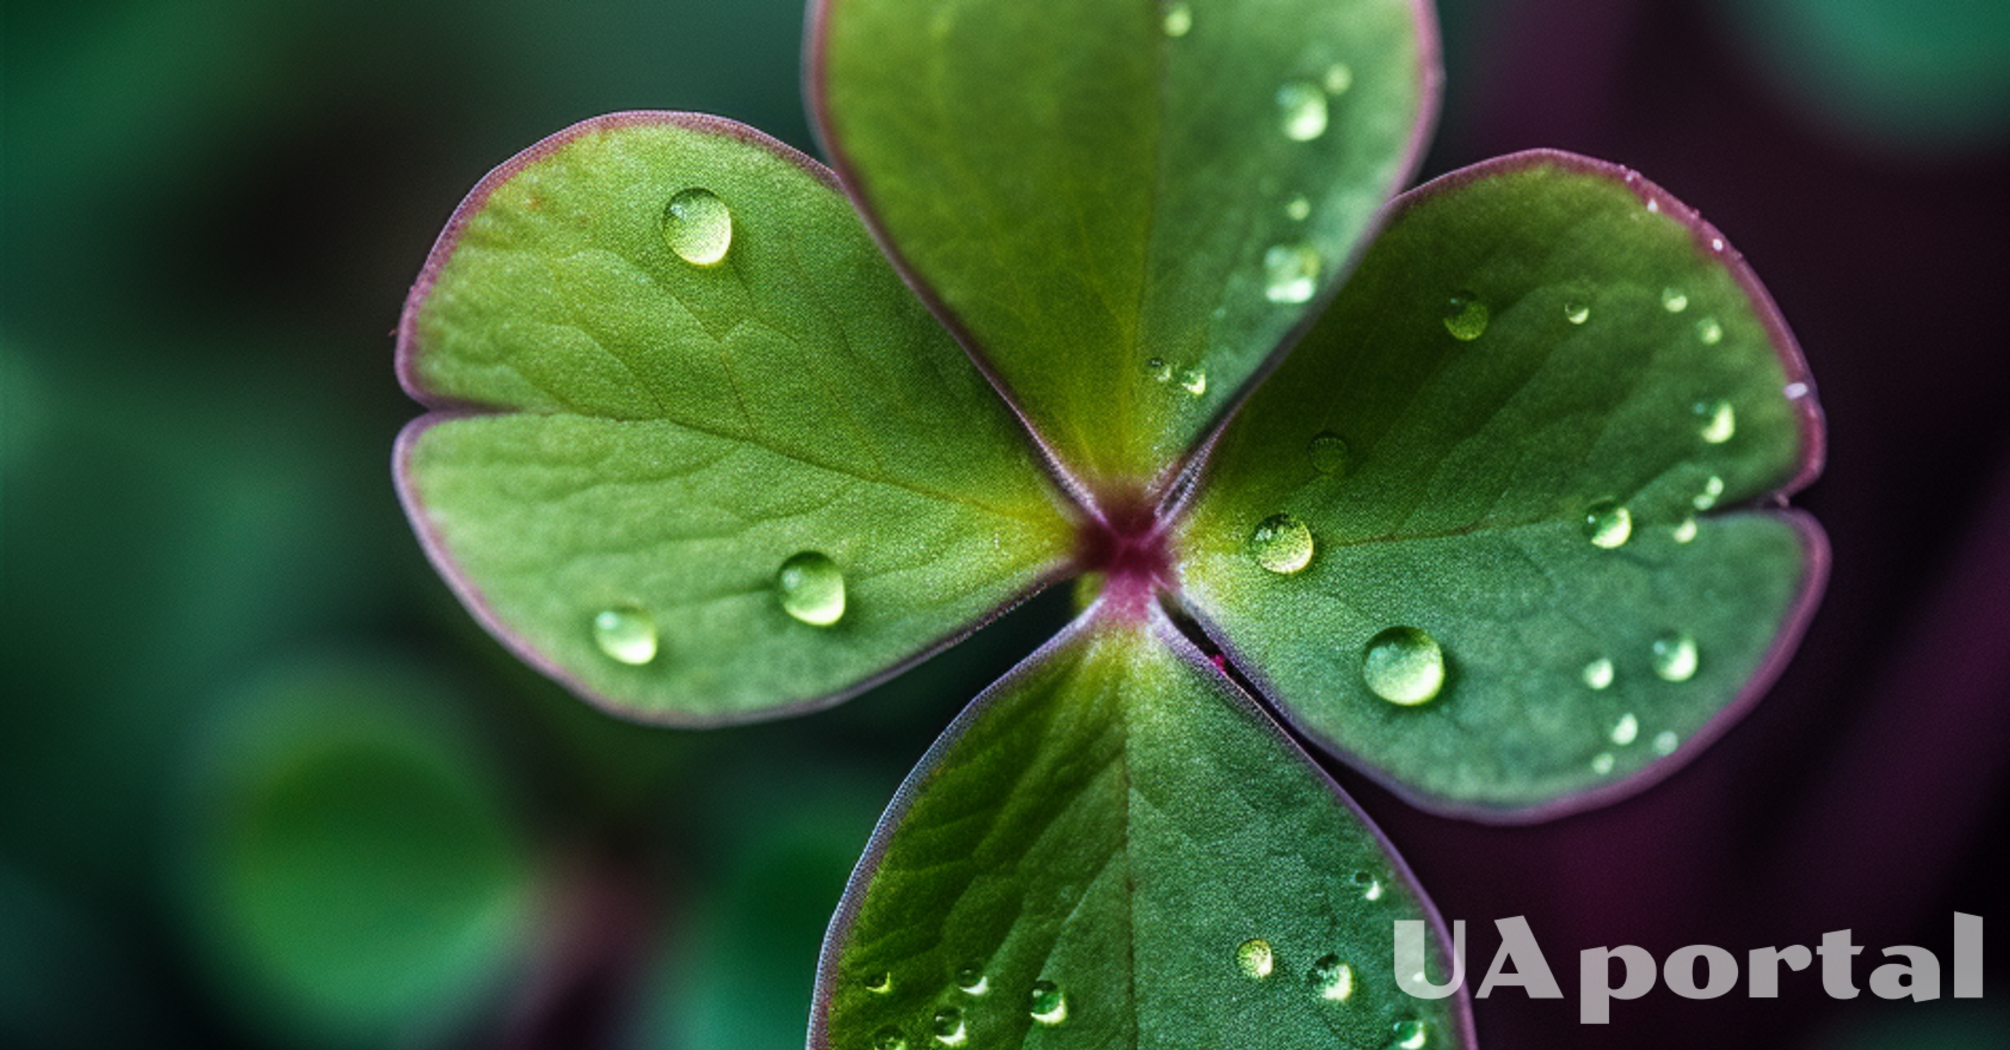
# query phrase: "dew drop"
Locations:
[[1465, 316], [1254, 958], [1674, 300], [1158, 370], [811, 588], [1333, 978], [1302, 106], [1194, 380], [1411, 1034], [973, 981], [1795, 391], [879, 983], [1709, 332], [1282, 544], [1664, 742], [1713, 489], [697, 226], [1608, 524], [1339, 77], [1298, 209], [1602, 763], [1716, 244], [948, 1027], [1720, 420], [1047, 1005], [1291, 273], [1654, 206], [1598, 673], [1403, 665], [1371, 887], [627, 634], [889, 1038], [1576, 311], [1328, 451], [1179, 20], [1675, 656], [1627, 730], [1686, 531]]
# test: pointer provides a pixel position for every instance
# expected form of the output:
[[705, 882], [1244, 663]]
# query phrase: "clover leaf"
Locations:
[[1505, 529]]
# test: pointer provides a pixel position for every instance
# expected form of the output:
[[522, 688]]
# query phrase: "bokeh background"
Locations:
[[262, 783]]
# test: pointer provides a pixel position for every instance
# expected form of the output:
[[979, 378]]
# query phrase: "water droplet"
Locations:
[[1720, 420], [811, 588], [1179, 20], [1602, 763], [948, 1027], [973, 981], [1328, 451], [1665, 741], [1795, 391], [1297, 209], [1194, 380], [1686, 531], [1333, 978], [1254, 959], [1674, 300], [1598, 673], [889, 1038], [879, 983], [1465, 316], [1302, 105], [697, 226], [627, 634], [1291, 273], [1403, 665], [1281, 543], [1371, 887], [1608, 524], [1339, 77], [1709, 332], [1627, 730], [1576, 311], [1410, 1034], [1158, 370], [1653, 206], [1713, 489], [1675, 656], [1716, 244], [1047, 1005]]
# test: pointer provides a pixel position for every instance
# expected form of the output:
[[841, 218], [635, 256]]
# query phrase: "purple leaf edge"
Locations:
[[445, 410]]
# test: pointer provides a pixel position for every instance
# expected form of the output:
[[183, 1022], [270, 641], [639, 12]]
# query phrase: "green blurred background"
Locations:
[[262, 782]]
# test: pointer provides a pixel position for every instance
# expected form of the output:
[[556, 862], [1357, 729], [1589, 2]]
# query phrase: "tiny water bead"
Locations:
[[879, 983], [889, 1038], [948, 1027], [1301, 105], [1158, 370], [1410, 1034], [1713, 489], [1333, 979], [1298, 209], [1371, 887], [1291, 273], [1602, 763], [1686, 531], [1328, 451], [1795, 391], [972, 981], [1709, 332], [1720, 420], [1466, 316], [1608, 524], [1627, 730], [1194, 380], [1254, 959], [1675, 656], [1674, 300], [627, 634], [1339, 77], [1576, 311], [1403, 665], [1282, 544], [811, 588], [1046, 1003], [698, 226], [1665, 741], [1598, 673], [1179, 20]]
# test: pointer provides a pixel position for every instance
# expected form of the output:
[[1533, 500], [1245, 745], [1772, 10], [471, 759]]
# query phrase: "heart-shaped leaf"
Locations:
[[701, 455], [1497, 528], [1124, 207], [1114, 847]]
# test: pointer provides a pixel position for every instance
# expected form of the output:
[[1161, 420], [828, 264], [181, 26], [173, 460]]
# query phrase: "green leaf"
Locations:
[[1115, 819], [1469, 478], [1089, 189], [655, 437]]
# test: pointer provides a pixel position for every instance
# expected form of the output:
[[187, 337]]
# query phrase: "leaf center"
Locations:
[[1128, 545]]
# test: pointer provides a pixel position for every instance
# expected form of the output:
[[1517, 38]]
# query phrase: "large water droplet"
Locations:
[[1720, 420], [1686, 531], [1291, 273], [1339, 77], [1179, 20], [1709, 332], [1466, 317], [1675, 656], [1713, 490], [698, 226], [1674, 300], [1403, 665], [1328, 451], [1602, 763], [811, 588], [1194, 380], [1298, 209], [1598, 673], [1254, 959], [1410, 1034], [948, 1027], [1333, 979], [627, 634], [1665, 741], [1576, 311], [1608, 524], [1626, 730], [879, 983], [1047, 1005], [973, 980], [1302, 106], [1281, 543]]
